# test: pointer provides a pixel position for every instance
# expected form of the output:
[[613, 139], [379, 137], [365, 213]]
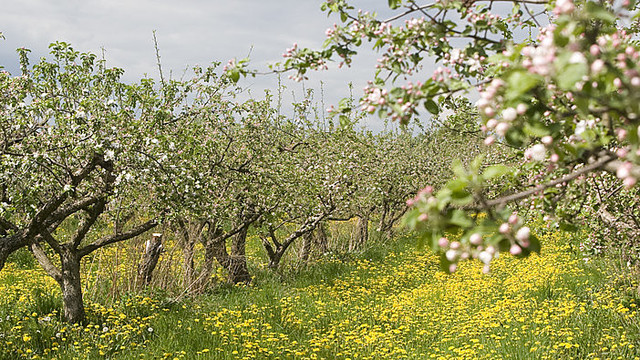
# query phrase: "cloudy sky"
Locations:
[[189, 32]]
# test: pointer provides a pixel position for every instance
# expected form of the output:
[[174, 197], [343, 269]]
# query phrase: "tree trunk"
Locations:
[[235, 264], [274, 260], [153, 248], [305, 250], [321, 238], [361, 233], [188, 265], [238, 270], [201, 283], [72, 287]]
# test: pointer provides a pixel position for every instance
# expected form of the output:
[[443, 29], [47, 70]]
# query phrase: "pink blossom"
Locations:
[[489, 140], [501, 128], [624, 170], [564, 7], [523, 233], [622, 152], [537, 152], [504, 228], [509, 114], [475, 239], [597, 66], [621, 134], [443, 242], [629, 182], [485, 257], [617, 83], [515, 250], [521, 109]]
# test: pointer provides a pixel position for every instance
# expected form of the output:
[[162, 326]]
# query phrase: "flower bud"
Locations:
[[523, 233], [485, 257], [443, 242], [475, 239], [451, 255]]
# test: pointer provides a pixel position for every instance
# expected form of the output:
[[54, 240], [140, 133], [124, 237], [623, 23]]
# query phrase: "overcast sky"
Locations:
[[189, 32]]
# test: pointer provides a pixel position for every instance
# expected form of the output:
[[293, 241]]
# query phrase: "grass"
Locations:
[[389, 302]]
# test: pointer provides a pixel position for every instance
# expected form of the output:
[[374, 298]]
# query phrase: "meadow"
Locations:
[[391, 301]]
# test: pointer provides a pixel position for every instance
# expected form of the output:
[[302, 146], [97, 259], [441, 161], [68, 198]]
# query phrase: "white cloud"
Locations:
[[189, 32]]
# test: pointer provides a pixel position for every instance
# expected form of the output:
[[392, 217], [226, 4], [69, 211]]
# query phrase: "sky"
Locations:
[[189, 32]]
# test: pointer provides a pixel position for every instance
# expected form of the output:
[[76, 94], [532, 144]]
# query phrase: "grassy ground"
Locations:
[[390, 302]]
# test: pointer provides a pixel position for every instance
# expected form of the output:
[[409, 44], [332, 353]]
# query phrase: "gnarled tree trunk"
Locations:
[[321, 239], [235, 264], [361, 233], [71, 287], [238, 270]]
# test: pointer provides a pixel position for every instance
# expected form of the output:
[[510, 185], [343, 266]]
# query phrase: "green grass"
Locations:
[[390, 301]]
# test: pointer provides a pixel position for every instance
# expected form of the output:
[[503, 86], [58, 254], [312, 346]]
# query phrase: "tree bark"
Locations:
[[203, 279], [9, 245], [274, 261], [305, 250], [71, 287], [361, 233], [235, 264], [153, 249], [238, 270], [321, 239], [190, 232]]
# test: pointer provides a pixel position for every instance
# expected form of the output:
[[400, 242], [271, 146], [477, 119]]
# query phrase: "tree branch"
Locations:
[[140, 229]]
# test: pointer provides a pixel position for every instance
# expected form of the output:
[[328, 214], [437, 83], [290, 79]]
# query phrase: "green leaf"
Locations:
[[431, 106], [460, 218], [234, 75], [456, 185], [495, 171], [570, 74], [599, 12], [536, 129], [394, 4], [520, 82]]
